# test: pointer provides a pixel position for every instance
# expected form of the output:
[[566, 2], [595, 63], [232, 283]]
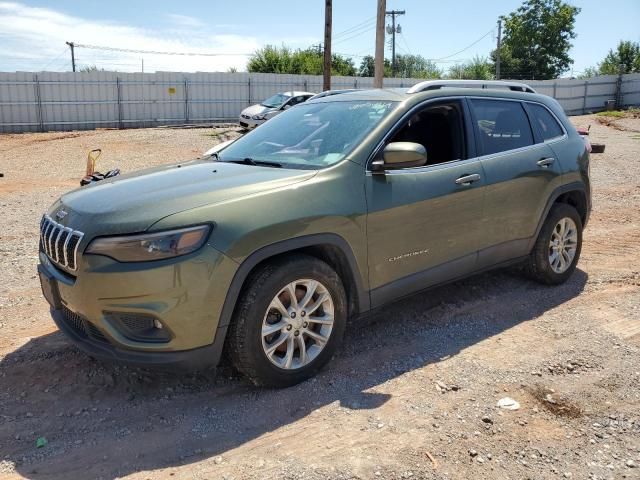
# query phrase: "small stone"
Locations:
[[567, 474], [380, 425], [217, 460], [480, 459], [631, 464], [508, 403], [487, 419], [473, 453]]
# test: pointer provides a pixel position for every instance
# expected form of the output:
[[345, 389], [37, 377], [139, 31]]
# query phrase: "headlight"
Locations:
[[151, 246], [262, 116]]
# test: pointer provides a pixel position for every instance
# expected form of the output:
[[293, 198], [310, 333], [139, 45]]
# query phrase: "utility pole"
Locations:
[[393, 31], [379, 60], [73, 56], [498, 49], [326, 71]]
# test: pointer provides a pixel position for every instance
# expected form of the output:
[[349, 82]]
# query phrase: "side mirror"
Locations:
[[286, 107], [400, 155]]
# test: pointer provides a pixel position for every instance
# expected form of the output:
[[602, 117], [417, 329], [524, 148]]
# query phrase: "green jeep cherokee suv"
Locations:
[[336, 207]]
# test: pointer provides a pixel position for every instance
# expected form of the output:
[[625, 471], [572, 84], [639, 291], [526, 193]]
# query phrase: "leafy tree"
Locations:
[[589, 72], [367, 67], [537, 39], [407, 66], [479, 68], [272, 59], [416, 66], [626, 54], [91, 68]]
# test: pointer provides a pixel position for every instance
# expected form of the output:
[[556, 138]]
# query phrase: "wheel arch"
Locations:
[[573, 194], [330, 248]]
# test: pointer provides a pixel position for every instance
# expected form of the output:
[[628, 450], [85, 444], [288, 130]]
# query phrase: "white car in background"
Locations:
[[256, 115]]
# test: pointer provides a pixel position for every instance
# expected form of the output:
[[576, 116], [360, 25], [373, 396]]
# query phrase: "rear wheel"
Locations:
[[557, 250], [288, 322]]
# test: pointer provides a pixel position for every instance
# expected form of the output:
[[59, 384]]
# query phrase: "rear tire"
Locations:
[[276, 342], [556, 252]]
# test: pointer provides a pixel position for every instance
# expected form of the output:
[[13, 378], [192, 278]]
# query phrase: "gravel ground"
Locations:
[[412, 394]]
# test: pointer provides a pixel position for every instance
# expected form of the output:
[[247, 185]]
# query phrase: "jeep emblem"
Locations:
[[61, 214]]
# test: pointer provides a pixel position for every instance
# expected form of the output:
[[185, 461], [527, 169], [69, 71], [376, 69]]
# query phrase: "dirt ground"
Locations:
[[412, 393]]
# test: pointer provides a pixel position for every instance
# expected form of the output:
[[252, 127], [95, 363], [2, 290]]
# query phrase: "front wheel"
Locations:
[[557, 249], [289, 321]]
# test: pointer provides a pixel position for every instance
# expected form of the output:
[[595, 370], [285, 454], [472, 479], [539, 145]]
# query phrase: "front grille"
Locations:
[[60, 243], [82, 327], [74, 321]]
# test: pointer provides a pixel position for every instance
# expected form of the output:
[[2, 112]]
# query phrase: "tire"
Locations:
[[539, 265], [248, 348]]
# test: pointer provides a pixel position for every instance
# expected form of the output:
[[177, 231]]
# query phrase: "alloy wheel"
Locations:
[[297, 324], [563, 245]]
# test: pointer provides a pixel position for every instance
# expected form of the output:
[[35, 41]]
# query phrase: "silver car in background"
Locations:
[[256, 115]]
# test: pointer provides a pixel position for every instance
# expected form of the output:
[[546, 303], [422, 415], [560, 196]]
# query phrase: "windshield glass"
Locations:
[[275, 101], [309, 135]]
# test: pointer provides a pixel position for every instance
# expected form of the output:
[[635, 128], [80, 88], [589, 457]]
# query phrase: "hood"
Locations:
[[256, 109], [132, 203]]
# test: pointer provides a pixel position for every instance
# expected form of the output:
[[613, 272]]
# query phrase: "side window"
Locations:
[[439, 129], [546, 123], [502, 125]]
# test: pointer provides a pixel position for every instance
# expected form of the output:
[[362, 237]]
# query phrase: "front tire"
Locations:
[[288, 322], [557, 249]]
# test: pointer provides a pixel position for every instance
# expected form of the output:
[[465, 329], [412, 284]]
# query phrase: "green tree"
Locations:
[[626, 54], [416, 66], [91, 68], [407, 66], [478, 68], [589, 72], [270, 59], [537, 39], [367, 67]]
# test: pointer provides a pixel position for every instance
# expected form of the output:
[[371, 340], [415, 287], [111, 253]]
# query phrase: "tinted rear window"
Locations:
[[545, 122], [502, 125]]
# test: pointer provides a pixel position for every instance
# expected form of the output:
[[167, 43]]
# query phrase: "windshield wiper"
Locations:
[[251, 161]]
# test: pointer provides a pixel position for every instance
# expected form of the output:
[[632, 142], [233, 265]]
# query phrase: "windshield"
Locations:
[[310, 135], [275, 101]]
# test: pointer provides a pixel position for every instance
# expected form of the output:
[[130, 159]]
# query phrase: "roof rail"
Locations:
[[496, 84]]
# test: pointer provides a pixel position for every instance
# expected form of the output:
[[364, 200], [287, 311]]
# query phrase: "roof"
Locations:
[[295, 93], [404, 95]]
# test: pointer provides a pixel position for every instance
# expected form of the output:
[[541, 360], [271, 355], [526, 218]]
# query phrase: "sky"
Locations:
[[33, 33]]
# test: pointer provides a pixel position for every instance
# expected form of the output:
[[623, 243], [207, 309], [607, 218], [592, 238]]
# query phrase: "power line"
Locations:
[[153, 52], [372, 27], [354, 28], [465, 48]]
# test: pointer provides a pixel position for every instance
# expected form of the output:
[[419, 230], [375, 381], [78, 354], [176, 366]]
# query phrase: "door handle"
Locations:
[[545, 162], [467, 179]]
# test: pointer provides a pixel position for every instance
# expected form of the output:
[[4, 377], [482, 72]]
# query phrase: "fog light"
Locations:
[[157, 324]]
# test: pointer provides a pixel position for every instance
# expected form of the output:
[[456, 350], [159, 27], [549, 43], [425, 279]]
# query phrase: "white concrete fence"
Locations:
[[51, 101]]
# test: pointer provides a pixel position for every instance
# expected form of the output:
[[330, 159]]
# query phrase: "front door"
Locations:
[[423, 222]]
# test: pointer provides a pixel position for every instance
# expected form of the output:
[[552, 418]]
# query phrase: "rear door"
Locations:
[[520, 170]]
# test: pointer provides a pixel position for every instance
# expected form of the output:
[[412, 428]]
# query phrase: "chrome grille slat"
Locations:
[[60, 243]]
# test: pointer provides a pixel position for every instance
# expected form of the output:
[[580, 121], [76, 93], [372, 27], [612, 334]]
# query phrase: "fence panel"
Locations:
[[43, 101]]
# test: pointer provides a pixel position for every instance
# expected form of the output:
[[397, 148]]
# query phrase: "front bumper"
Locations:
[[98, 347], [184, 294], [250, 122]]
